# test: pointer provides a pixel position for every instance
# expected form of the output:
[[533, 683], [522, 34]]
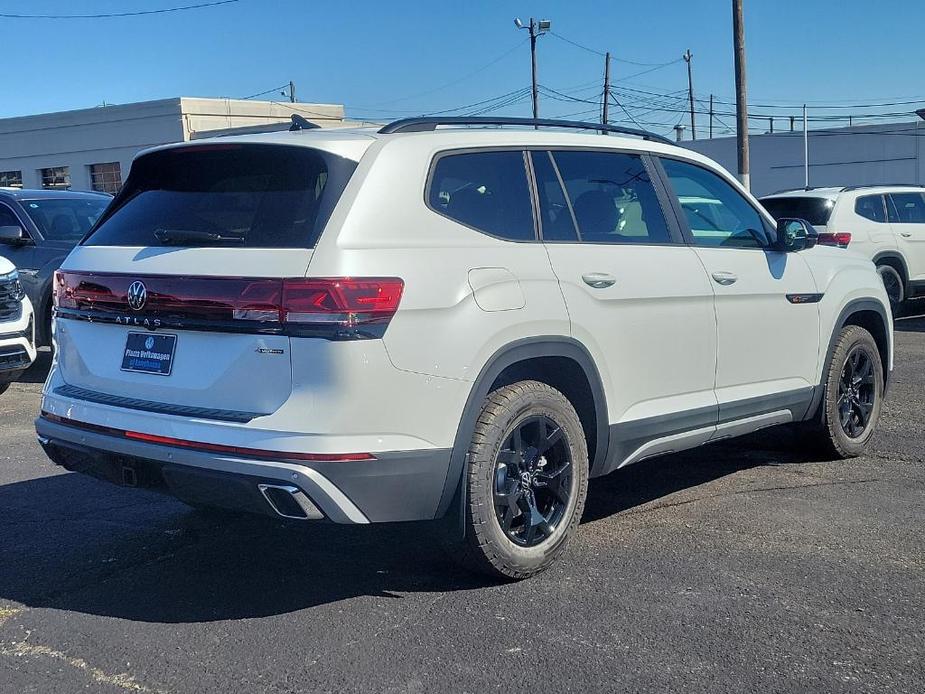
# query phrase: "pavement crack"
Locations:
[[123, 680]]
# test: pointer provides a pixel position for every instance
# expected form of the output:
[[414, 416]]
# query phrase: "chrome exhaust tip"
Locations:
[[289, 502]]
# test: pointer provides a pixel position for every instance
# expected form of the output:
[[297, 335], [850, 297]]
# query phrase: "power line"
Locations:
[[268, 91], [603, 53], [455, 81], [109, 15]]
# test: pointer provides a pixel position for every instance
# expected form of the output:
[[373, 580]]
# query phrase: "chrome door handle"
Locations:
[[905, 234], [599, 280], [724, 278]]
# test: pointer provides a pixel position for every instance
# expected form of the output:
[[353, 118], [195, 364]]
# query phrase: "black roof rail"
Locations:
[[804, 189], [300, 123], [882, 185], [430, 123]]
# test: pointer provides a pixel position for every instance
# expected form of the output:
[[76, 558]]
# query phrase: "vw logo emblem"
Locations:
[[137, 295], [149, 343]]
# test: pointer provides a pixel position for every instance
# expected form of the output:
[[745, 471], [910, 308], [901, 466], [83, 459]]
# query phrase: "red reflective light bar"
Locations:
[[346, 302], [213, 447], [839, 238]]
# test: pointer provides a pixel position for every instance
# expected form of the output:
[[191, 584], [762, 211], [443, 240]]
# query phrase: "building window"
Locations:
[[106, 178], [56, 178], [10, 179]]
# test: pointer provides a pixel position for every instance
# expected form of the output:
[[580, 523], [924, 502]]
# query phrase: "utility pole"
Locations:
[[690, 91], [536, 28], [605, 110], [738, 30], [291, 92]]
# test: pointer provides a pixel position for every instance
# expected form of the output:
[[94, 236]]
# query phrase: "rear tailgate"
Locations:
[[173, 302]]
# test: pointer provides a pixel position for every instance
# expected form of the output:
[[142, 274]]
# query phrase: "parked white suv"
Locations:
[[427, 322], [883, 223], [17, 327]]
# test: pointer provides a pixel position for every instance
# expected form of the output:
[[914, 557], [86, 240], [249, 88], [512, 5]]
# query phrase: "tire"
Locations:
[[895, 286], [838, 435], [4, 387], [522, 508]]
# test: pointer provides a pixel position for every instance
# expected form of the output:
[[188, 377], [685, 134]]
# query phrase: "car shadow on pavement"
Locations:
[[72, 543]]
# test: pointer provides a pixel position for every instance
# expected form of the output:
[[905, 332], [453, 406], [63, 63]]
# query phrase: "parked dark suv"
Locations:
[[38, 228]]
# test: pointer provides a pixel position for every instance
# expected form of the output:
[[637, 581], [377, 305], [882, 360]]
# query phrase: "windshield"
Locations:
[[816, 211], [256, 196], [65, 219]]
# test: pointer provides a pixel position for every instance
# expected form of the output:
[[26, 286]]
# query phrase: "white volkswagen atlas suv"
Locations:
[[457, 319], [17, 326], [885, 223]]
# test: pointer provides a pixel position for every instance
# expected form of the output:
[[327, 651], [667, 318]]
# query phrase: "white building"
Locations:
[[863, 154], [92, 149]]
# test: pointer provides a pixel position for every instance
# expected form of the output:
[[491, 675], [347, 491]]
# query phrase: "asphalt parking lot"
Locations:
[[745, 567]]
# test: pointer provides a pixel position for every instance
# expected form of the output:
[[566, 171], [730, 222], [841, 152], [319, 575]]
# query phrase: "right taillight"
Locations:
[[838, 238], [349, 306]]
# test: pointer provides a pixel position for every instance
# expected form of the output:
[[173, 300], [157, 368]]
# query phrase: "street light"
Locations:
[[536, 29]]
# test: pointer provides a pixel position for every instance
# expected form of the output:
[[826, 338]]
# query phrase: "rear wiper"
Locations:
[[172, 236]]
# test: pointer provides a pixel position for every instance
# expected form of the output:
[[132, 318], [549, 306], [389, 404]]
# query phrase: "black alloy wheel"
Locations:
[[533, 481], [856, 392]]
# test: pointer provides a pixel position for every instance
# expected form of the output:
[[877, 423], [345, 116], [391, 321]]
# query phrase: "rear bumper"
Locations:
[[396, 486]]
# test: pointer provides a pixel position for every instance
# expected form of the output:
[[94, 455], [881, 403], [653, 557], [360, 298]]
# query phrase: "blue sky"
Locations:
[[385, 59]]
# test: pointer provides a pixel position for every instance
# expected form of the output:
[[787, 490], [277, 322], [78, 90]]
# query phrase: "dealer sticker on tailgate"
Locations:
[[148, 353]]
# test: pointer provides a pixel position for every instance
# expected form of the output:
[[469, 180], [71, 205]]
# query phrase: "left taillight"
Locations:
[[837, 238]]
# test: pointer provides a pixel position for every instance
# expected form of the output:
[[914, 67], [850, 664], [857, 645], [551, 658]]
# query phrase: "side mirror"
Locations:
[[14, 236], [794, 235]]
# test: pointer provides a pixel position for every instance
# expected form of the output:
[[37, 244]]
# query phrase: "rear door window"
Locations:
[[255, 196], [907, 208], [814, 210], [487, 191], [556, 218], [612, 197], [871, 207]]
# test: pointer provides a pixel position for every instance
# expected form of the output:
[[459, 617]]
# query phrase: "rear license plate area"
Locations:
[[149, 353]]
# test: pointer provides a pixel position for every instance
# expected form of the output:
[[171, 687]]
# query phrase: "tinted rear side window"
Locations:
[[484, 190], [256, 196], [612, 197], [816, 211]]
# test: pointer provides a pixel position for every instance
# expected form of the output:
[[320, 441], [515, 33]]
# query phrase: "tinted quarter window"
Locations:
[[907, 208], [484, 190], [871, 207], [255, 196], [555, 212], [717, 214], [612, 197], [816, 211]]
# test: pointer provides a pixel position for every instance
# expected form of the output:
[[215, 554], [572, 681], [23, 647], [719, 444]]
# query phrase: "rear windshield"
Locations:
[[816, 211], [65, 219], [255, 196]]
